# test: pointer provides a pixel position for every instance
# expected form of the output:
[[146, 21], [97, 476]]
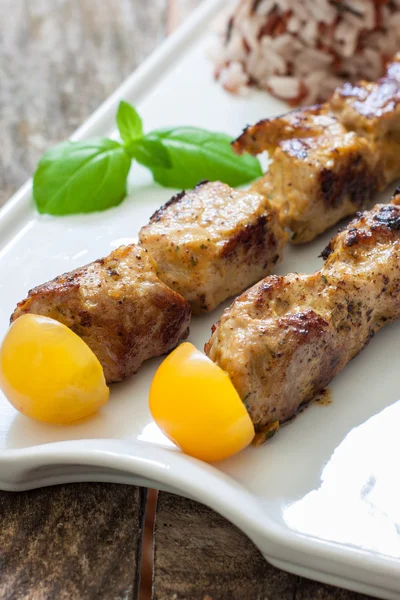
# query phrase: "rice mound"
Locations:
[[301, 50]]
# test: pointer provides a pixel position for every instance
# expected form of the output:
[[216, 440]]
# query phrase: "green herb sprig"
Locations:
[[88, 176]]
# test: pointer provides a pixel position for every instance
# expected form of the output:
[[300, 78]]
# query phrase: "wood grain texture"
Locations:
[[78, 541], [198, 555], [59, 59], [311, 590]]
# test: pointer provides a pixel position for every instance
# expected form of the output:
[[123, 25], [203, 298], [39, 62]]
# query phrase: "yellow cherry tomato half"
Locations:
[[48, 373], [195, 404]]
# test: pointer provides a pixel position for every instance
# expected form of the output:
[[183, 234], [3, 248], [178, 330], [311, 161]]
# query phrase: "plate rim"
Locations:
[[320, 559]]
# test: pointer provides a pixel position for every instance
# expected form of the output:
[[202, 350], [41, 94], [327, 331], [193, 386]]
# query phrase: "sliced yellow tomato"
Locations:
[[195, 404], [48, 373]]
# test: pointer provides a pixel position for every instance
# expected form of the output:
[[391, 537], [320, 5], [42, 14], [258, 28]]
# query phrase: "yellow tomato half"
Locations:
[[48, 373], [195, 404]]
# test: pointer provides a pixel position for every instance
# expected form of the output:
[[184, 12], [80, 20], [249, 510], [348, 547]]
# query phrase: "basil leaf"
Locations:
[[150, 153], [197, 154], [129, 123], [81, 177]]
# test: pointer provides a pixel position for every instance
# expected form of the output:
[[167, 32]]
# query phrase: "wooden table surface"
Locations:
[[59, 59]]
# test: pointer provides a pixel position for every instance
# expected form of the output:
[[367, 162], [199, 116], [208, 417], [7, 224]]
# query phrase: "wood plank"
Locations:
[[198, 555], [72, 541], [311, 590], [58, 61]]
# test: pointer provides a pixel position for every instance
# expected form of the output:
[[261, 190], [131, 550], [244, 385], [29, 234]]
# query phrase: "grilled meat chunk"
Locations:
[[213, 242], [372, 110], [118, 306], [319, 173], [329, 160], [286, 338]]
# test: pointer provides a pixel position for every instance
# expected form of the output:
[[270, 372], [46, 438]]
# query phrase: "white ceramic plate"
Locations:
[[322, 499]]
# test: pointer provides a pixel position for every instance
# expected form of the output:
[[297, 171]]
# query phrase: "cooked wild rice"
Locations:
[[301, 50]]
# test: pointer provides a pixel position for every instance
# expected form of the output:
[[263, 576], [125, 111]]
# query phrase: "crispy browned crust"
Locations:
[[158, 214], [364, 229], [355, 180], [286, 338], [267, 133], [253, 236], [370, 101], [118, 306], [372, 111]]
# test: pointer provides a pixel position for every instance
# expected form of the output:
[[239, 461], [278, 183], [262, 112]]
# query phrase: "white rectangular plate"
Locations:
[[322, 499]]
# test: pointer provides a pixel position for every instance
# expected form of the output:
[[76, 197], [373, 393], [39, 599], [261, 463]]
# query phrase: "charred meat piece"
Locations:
[[118, 306], [372, 110], [214, 242], [329, 160], [286, 338], [319, 173], [266, 135]]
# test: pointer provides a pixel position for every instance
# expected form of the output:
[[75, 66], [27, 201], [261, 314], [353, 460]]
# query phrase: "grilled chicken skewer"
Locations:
[[118, 306], [214, 242], [286, 338], [209, 244], [329, 160]]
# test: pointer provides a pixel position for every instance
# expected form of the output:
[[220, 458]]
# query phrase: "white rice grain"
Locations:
[[301, 50]]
